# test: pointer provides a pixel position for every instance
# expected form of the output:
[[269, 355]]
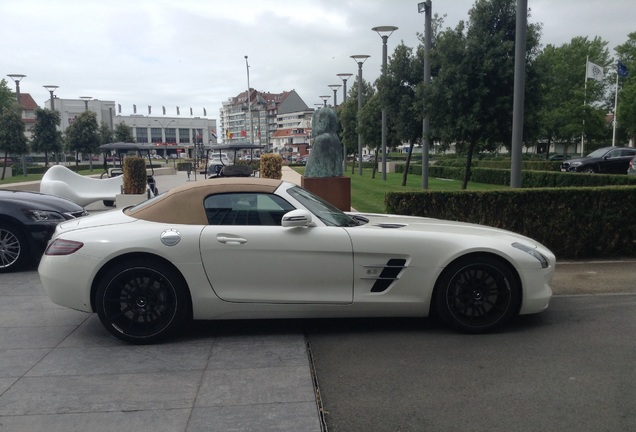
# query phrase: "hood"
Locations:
[[39, 201], [422, 224]]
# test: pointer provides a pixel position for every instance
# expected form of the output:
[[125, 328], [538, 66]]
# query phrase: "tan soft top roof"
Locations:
[[184, 204]]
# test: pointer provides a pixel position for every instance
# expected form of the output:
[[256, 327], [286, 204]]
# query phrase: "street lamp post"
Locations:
[[426, 7], [360, 59], [163, 134], [110, 107], [344, 77], [384, 32], [86, 99], [51, 89], [325, 99], [249, 101], [335, 88], [16, 79]]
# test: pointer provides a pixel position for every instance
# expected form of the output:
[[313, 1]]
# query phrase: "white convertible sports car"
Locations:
[[241, 248]]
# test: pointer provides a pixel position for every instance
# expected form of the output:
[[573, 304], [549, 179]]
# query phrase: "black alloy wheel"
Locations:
[[477, 294], [141, 301], [13, 248]]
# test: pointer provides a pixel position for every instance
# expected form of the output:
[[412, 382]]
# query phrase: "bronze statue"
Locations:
[[325, 159]]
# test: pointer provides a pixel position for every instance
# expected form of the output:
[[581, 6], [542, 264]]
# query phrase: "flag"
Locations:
[[205, 113], [164, 110], [594, 71], [134, 109], [178, 112], [621, 69], [149, 110], [243, 133], [119, 108], [228, 133], [213, 133], [190, 110]]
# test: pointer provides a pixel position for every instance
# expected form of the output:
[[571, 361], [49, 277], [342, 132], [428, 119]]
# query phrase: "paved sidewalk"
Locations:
[[61, 371]]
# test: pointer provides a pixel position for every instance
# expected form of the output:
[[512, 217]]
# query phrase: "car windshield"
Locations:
[[324, 211]]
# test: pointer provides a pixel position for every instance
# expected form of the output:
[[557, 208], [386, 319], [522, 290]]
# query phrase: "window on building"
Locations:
[[171, 135], [184, 136], [141, 135], [155, 135]]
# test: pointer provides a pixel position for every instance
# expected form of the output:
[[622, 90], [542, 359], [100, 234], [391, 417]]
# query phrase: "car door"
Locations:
[[249, 257]]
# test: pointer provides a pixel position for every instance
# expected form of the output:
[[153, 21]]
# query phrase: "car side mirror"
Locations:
[[297, 218]]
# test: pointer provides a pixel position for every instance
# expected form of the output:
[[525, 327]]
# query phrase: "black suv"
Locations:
[[606, 160]]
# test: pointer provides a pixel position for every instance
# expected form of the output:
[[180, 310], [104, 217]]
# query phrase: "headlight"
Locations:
[[532, 251], [44, 216], [575, 164]]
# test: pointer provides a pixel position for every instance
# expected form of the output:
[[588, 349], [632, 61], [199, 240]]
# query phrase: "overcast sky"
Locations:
[[191, 53]]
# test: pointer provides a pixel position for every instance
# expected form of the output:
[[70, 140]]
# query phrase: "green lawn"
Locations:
[[367, 194]]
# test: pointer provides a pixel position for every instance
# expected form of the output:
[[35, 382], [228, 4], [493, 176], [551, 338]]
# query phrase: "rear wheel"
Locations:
[[477, 294], [14, 251], [142, 301]]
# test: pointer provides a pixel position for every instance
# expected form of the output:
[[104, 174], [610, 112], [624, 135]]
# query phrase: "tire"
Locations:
[[589, 170], [477, 294], [14, 249], [142, 301]]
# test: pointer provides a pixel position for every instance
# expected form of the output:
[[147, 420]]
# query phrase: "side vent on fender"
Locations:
[[388, 273]]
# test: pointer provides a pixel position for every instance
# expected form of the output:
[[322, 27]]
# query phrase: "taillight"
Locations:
[[63, 247]]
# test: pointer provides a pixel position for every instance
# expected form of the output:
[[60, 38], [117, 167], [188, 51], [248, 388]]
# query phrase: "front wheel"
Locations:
[[14, 251], [141, 301], [589, 170], [477, 294]]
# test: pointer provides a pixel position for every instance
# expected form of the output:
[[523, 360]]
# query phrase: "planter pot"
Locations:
[[126, 200], [335, 190]]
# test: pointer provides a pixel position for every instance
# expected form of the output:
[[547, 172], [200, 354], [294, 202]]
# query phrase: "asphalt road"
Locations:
[[571, 368]]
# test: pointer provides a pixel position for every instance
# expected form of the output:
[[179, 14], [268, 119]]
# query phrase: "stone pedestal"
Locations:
[[335, 190]]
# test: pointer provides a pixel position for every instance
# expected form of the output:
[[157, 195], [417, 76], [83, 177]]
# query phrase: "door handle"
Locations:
[[230, 240]]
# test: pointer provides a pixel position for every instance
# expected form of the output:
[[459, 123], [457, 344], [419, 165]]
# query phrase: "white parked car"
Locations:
[[214, 250]]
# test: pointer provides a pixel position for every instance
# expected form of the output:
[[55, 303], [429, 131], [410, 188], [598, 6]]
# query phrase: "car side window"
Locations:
[[246, 209]]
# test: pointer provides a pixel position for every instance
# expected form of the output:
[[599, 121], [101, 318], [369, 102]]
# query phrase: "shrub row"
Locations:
[[502, 164], [573, 223]]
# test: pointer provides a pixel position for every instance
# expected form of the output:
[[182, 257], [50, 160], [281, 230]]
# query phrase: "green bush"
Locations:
[[135, 177], [572, 222], [271, 166]]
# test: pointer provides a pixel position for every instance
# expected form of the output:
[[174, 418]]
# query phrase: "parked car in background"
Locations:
[[27, 222], [632, 166], [606, 160], [6, 161], [559, 156]]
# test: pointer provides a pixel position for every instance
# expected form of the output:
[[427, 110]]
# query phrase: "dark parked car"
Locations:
[[559, 156], [27, 222], [606, 160]]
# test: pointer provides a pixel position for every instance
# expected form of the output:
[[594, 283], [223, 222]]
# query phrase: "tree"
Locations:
[[348, 117], [398, 92], [12, 138], [82, 135], [370, 118], [626, 111], [570, 107], [106, 134], [123, 133], [471, 95], [46, 137]]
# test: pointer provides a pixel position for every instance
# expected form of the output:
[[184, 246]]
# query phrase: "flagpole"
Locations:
[[615, 107], [587, 61]]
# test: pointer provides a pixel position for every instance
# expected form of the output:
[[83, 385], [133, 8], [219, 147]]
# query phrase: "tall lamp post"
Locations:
[[360, 59], [335, 88], [163, 134], [51, 89], [86, 99], [426, 7], [249, 101], [110, 107], [324, 100], [344, 77], [384, 32], [16, 79]]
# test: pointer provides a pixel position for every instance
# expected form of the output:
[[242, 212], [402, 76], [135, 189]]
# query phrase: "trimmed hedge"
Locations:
[[573, 223]]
